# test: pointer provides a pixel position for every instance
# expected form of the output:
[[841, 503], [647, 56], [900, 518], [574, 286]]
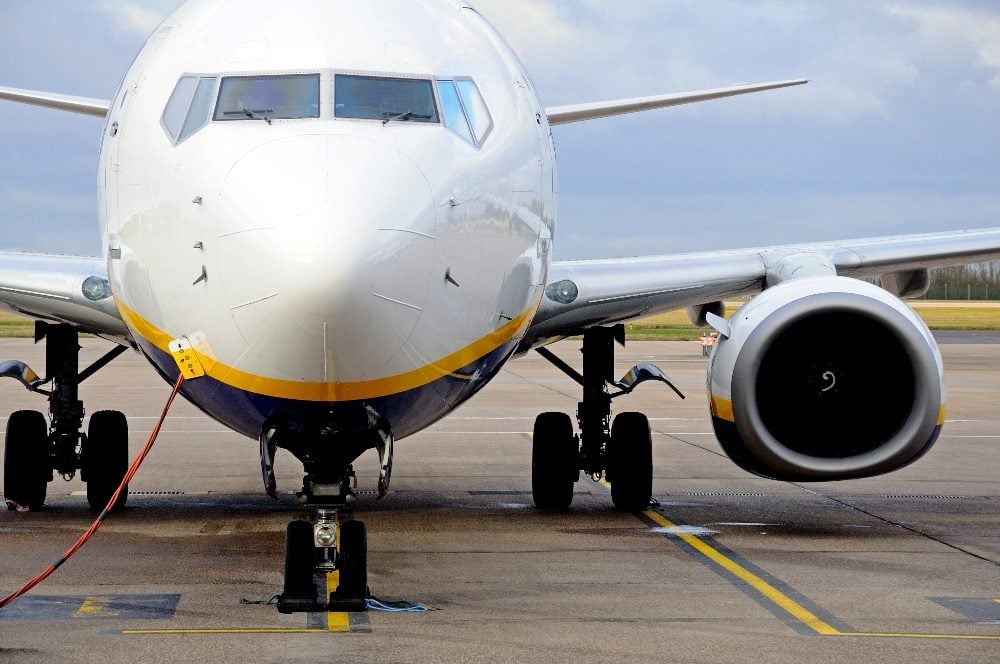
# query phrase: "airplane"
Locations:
[[341, 217]]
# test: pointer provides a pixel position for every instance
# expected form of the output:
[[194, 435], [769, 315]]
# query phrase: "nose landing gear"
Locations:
[[320, 547], [326, 557]]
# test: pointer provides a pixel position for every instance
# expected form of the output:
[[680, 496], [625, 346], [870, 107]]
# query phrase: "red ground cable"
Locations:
[[100, 518]]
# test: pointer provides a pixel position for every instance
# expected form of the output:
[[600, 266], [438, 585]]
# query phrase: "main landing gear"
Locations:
[[35, 449], [326, 557], [620, 451]]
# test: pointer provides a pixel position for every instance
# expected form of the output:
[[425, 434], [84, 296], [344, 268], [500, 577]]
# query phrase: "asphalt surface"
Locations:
[[973, 337], [728, 567]]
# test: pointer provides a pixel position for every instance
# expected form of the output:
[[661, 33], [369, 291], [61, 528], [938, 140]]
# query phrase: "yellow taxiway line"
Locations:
[[337, 622], [247, 630], [775, 596], [780, 599], [953, 637]]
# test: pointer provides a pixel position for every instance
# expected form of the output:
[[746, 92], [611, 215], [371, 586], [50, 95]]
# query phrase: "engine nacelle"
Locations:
[[826, 378]]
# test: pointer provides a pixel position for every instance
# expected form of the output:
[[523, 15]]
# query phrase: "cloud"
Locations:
[[138, 17], [661, 225], [649, 47], [550, 38], [949, 31]]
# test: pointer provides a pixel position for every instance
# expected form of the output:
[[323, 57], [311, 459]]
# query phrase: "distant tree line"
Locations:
[[979, 281]]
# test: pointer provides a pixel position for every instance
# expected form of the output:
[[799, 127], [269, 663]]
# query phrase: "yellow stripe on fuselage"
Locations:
[[335, 391]]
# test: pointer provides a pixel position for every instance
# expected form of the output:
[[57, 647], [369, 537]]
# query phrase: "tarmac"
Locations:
[[727, 567]]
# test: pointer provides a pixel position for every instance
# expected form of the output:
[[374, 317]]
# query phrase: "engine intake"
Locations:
[[826, 378]]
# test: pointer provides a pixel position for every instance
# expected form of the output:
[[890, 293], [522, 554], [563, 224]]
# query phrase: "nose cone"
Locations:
[[325, 248]]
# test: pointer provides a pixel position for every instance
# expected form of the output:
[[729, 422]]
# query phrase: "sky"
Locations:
[[897, 132]]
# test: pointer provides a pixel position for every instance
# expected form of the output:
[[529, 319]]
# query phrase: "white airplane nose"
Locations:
[[326, 244]]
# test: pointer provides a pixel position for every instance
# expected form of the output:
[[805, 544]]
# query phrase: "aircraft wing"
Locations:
[[61, 289], [84, 105], [579, 112], [589, 293]]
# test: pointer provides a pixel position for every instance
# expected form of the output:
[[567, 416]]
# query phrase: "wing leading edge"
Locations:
[[579, 112], [610, 291], [97, 108], [61, 289]]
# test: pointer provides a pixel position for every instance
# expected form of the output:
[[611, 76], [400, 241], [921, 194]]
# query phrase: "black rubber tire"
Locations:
[[555, 461], [352, 560], [104, 458], [300, 561], [26, 470], [630, 462]]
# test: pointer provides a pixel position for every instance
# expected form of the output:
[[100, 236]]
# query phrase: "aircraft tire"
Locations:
[[105, 458], [554, 461], [26, 468], [630, 462], [352, 560], [300, 560]]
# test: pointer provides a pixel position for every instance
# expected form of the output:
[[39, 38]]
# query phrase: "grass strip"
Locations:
[[14, 326], [675, 326]]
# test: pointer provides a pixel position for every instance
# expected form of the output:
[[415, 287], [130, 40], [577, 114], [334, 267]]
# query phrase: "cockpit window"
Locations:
[[188, 108], [384, 98], [285, 97], [451, 108], [201, 108], [475, 108], [464, 110], [178, 105]]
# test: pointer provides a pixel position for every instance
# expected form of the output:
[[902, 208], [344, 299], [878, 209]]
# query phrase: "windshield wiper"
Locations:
[[406, 115], [253, 115], [256, 115]]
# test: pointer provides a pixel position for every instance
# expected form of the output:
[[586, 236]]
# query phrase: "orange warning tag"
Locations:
[[186, 358]]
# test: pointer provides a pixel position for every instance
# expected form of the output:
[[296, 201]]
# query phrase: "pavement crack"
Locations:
[[885, 520], [537, 383], [691, 443]]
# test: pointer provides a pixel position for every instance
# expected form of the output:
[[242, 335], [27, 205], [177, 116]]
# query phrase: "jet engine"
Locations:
[[825, 378]]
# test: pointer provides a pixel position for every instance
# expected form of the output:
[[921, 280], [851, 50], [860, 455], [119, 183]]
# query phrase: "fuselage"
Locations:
[[344, 207]]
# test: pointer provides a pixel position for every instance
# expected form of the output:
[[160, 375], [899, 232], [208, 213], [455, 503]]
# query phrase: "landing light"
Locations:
[[563, 292], [96, 288], [326, 535]]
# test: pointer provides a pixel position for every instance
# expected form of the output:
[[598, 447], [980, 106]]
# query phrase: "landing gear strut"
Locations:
[[35, 451], [620, 451], [331, 541]]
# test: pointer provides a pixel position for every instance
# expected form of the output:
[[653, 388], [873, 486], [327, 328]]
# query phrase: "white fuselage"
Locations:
[[321, 261]]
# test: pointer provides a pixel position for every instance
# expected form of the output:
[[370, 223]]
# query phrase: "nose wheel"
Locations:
[[352, 561], [315, 549]]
